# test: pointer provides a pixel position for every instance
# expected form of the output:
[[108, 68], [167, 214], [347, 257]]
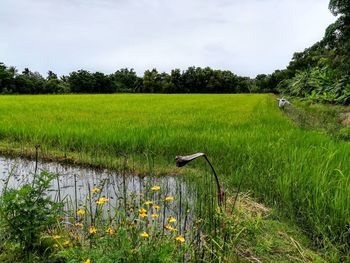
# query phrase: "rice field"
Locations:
[[306, 174]]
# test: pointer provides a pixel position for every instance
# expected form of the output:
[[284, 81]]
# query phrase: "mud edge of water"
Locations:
[[48, 158]]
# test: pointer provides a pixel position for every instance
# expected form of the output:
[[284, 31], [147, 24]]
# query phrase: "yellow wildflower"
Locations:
[[170, 228], [81, 212], [148, 202], [55, 237], [155, 188], [96, 190], [169, 198], [101, 201], [155, 215], [156, 207], [78, 225], [110, 231], [171, 219], [66, 243], [87, 261], [142, 211], [142, 215], [92, 230], [180, 239], [144, 234]]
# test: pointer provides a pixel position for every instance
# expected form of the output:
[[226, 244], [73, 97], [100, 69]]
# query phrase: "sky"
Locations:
[[248, 37]]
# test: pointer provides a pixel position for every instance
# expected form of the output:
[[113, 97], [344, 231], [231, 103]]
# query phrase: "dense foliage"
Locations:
[[321, 72], [192, 80], [26, 212]]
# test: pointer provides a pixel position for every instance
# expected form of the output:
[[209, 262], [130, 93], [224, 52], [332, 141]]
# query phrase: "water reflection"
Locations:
[[127, 193]]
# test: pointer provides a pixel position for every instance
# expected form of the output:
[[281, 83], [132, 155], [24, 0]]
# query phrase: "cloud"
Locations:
[[247, 37]]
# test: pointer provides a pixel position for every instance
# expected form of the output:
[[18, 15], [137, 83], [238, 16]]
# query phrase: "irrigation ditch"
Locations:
[[74, 185]]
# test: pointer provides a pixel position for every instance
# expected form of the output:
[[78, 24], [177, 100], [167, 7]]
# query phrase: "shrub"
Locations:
[[28, 211]]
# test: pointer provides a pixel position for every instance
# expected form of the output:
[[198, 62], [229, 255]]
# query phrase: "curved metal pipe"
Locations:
[[183, 160]]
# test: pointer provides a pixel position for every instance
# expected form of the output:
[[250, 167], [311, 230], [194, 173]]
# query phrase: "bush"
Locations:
[[26, 212]]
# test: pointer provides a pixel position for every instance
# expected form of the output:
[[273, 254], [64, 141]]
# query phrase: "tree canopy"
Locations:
[[322, 71], [192, 80]]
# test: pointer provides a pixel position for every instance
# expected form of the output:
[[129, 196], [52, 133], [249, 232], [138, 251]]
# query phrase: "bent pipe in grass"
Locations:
[[183, 160]]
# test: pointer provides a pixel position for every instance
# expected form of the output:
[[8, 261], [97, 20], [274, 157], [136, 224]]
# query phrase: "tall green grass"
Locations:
[[305, 173]]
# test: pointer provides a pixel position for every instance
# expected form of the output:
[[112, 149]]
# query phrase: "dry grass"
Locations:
[[345, 117], [266, 238]]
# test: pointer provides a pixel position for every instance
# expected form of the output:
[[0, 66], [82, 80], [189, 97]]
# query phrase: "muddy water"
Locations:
[[73, 185], [71, 177]]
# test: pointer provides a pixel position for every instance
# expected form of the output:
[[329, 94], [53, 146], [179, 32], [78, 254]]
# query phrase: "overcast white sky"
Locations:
[[247, 37]]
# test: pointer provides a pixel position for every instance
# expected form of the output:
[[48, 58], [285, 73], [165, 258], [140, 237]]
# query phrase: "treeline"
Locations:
[[192, 80], [322, 72]]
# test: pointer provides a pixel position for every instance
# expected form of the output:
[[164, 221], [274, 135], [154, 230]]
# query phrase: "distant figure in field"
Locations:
[[282, 102]]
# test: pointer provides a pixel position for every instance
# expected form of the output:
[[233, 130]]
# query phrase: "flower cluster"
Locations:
[[147, 215]]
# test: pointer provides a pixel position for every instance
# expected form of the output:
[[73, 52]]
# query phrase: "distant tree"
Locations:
[[151, 82], [29, 82], [51, 86], [7, 76], [245, 85], [229, 82], [125, 80], [26, 71], [340, 7], [176, 81], [64, 85], [262, 82], [193, 80], [81, 81], [51, 75], [102, 83]]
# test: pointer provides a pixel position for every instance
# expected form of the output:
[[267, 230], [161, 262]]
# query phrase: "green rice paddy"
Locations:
[[306, 174]]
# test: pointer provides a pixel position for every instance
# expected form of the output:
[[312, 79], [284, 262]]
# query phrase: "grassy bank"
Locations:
[[332, 119], [304, 173]]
